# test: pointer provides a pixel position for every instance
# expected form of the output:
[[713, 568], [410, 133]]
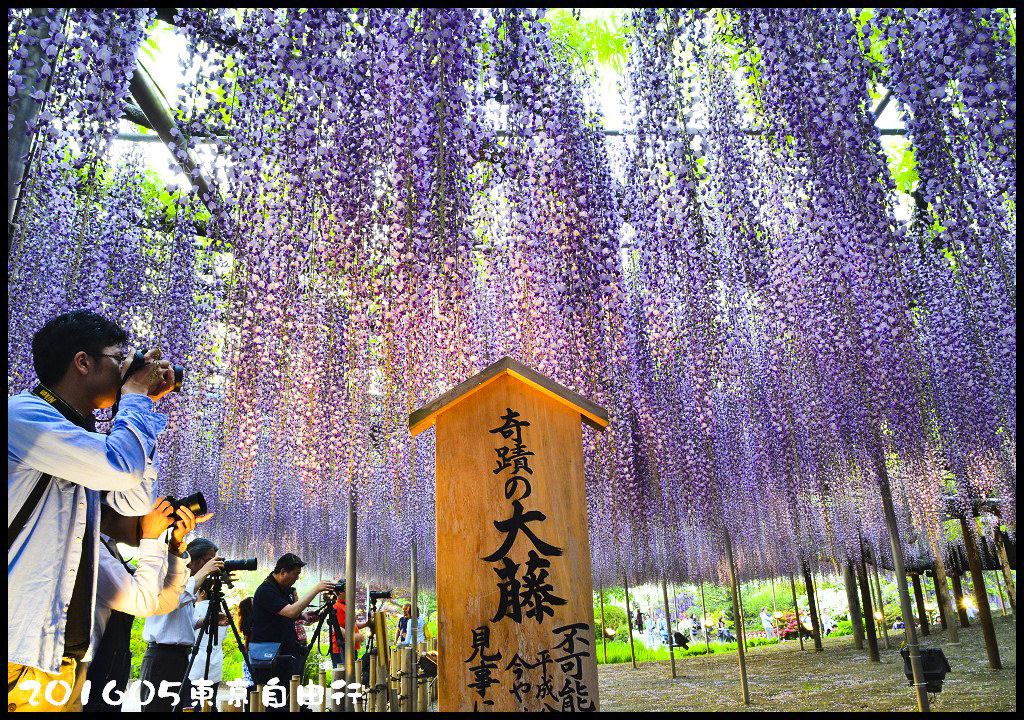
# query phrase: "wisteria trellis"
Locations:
[[411, 194]]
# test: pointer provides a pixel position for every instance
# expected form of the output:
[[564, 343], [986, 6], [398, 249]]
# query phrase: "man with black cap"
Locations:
[[274, 615]]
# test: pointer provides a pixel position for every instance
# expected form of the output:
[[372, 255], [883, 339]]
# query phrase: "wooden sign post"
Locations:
[[514, 595]]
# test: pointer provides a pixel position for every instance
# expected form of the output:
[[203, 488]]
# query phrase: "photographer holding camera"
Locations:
[[273, 618], [124, 593], [57, 465], [171, 636]]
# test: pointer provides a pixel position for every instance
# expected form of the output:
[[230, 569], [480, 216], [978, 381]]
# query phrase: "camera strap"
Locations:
[[73, 416]]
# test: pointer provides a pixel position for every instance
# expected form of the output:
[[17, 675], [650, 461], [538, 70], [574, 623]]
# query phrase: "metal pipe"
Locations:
[[350, 591]]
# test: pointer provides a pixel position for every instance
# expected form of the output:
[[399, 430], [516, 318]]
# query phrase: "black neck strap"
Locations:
[[64, 409]]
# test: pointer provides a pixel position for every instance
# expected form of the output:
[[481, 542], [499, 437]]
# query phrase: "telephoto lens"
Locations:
[[196, 503], [246, 564]]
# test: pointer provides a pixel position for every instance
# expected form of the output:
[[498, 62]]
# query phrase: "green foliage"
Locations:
[[843, 627], [594, 41], [614, 617]]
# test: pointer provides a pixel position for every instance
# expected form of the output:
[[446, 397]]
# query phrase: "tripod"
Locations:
[[217, 603]]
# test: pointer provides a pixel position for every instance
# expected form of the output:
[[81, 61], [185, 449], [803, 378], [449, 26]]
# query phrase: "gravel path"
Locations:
[[782, 678]]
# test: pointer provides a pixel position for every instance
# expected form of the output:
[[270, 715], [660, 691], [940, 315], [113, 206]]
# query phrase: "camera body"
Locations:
[[139, 361], [380, 595]]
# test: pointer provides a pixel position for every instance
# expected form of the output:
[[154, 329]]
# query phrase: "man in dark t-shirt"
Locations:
[[274, 614]]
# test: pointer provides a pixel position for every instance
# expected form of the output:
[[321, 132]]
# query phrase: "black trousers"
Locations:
[[165, 662]]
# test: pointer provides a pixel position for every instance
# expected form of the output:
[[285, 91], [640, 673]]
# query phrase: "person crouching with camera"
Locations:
[[171, 636], [274, 612], [124, 592]]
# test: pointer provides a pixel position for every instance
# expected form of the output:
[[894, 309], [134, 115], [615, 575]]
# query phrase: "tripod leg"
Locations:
[[188, 668], [238, 638]]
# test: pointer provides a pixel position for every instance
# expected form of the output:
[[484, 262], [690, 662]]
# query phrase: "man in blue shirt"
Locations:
[[57, 466]]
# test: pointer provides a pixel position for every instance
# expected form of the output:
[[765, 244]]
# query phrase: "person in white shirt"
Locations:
[[171, 636], [766, 623], [57, 465], [124, 593]]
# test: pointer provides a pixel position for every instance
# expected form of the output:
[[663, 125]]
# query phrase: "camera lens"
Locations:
[[194, 502], [246, 564]]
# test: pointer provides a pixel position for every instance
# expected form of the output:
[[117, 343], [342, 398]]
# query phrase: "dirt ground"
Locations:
[[841, 678]]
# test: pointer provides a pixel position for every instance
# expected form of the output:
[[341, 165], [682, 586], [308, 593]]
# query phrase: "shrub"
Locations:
[[615, 617]]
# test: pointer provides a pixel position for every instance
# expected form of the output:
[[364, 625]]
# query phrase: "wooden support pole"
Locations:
[[980, 593], [629, 621], [350, 588], [919, 597], [796, 611], [881, 604], [293, 693], [734, 583], [812, 606], [604, 635], [958, 598], [853, 602], [668, 625], [942, 594], [1004, 561], [870, 632], [254, 701]]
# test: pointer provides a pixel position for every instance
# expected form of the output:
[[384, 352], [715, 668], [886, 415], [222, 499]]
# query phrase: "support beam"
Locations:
[[1007, 569], [668, 625], [153, 104], [812, 607], [703, 620], [896, 548], [853, 602], [412, 687], [629, 620], [942, 594], [958, 598], [24, 113], [919, 597], [796, 611], [350, 591], [604, 635], [980, 593], [870, 632], [734, 585], [881, 604]]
